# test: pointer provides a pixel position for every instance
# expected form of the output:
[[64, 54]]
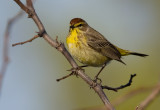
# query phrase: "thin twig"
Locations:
[[130, 94], [154, 94], [122, 98], [120, 87], [64, 77], [30, 40], [5, 52], [73, 72], [31, 13]]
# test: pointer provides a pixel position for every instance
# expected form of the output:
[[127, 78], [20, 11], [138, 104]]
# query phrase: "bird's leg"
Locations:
[[84, 66], [96, 77]]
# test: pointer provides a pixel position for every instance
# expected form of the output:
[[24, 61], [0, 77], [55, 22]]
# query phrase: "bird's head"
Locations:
[[78, 23]]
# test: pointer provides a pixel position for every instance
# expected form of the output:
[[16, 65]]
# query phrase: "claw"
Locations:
[[96, 79], [76, 69], [94, 84]]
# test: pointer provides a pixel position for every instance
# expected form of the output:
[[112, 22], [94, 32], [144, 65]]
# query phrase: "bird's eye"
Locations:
[[79, 25]]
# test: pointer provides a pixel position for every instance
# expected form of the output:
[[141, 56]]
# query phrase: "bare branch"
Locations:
[[130, 94], [6, 45], [154, 94], [120, 87], [64, 77], [31, 13], [30, 40], [122, 98]]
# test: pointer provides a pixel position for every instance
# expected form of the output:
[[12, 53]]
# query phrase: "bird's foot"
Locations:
[[96, 81], [74, 70]]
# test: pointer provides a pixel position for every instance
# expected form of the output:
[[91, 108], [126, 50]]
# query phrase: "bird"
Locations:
[[91, 48]]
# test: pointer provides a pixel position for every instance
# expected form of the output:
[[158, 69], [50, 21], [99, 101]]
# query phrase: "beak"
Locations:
[[72, 27]]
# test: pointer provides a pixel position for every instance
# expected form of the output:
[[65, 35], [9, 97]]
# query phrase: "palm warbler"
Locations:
[[91, 48]]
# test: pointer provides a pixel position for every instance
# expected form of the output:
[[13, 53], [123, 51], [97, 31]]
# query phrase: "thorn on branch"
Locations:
[[122, 86], [58, 43], [57, 40]]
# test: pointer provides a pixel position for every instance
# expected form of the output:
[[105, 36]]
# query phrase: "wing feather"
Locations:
[[100, 44]]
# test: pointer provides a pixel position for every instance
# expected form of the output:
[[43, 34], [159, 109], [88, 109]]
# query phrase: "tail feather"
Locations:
[[127, 52], [138, 54]]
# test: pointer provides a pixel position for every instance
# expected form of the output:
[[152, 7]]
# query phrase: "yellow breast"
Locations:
[[80, 50]]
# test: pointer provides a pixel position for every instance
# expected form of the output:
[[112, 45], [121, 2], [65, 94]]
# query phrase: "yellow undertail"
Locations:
[[127, 52]]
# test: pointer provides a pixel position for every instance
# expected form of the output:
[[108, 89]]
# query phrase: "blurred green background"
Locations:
[[30, 80]]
